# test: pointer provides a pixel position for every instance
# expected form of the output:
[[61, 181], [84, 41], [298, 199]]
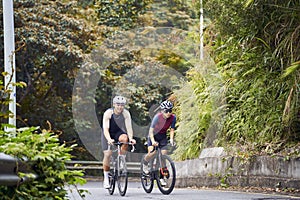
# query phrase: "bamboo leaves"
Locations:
[[291, 70]]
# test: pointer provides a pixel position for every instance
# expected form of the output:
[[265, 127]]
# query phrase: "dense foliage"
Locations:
[[42, 159], [121, 14], [194, 114], [53, 42], [255, 45], [52, 39]]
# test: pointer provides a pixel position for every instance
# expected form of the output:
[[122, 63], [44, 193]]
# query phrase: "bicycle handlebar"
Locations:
[[159, 146], [120, 143]]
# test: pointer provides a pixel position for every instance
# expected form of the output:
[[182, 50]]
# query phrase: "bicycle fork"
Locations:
[[120, 160]]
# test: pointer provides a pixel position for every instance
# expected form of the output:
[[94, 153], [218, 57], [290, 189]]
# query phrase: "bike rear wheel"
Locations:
[[166, 172], [146, 179], [122, 175]]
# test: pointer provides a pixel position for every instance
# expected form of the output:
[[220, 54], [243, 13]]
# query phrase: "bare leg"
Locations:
[[164, 152], [124, 138], [106, 168], [150, 154], [106, 160]]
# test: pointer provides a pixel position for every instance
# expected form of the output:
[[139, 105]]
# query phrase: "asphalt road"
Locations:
[[136, 192]]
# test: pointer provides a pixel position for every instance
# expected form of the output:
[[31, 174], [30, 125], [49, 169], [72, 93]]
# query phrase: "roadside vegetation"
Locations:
[[244, 96], [255, 45]]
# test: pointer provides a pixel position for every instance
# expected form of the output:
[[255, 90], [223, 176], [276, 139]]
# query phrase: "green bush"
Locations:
[[194, 114], [46, 157]]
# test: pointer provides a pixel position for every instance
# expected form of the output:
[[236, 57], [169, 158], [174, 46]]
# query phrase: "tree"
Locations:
[[54, 40], [120, 14]]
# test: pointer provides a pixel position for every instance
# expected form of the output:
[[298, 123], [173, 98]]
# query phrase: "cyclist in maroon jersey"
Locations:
[[160, 124]]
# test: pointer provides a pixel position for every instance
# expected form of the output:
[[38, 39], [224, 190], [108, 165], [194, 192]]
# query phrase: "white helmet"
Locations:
[[166, 105], [119, 100]]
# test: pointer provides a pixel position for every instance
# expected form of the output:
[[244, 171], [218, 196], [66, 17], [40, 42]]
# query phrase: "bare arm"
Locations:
[[106, 117], [151, 135], [172, 134], [128, 124]]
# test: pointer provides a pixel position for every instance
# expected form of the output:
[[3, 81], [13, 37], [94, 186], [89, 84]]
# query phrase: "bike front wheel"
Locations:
[[122, 175], [112, 178], [146, 179], [166, 175]]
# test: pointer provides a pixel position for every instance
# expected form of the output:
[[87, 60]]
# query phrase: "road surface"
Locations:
[[136, 192]]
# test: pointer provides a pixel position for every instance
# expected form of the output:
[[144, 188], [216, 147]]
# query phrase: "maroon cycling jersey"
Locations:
[[161, 125]]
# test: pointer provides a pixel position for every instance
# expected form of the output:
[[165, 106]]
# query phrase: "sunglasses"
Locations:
[[168, 110]]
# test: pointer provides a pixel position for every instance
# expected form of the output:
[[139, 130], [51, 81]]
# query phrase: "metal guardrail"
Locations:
[[9, 169], [132, 167]]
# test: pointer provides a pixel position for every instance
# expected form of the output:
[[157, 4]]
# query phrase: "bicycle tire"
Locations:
[[112, 177], [170, 179], [147, 180], [122, 175]]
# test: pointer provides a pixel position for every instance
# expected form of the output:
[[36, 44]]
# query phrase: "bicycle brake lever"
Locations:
[[133, 148]]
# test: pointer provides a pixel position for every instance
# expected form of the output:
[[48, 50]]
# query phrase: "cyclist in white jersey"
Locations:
[[116, 127]]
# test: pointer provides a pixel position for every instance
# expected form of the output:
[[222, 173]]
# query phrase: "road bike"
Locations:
[[118, 169], [160, 167]]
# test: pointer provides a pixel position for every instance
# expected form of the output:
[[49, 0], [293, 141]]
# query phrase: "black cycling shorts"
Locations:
[[163, 141], [104, 143]]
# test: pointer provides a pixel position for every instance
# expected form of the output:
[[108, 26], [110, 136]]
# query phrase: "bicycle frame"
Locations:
[[157, 156], [119, 172], [118, 149]]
